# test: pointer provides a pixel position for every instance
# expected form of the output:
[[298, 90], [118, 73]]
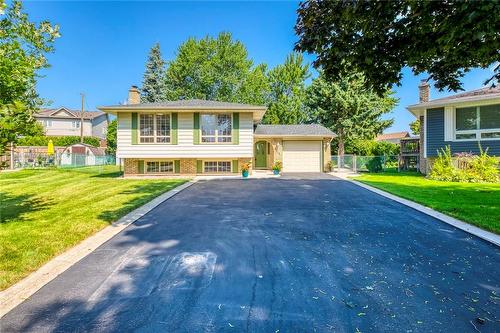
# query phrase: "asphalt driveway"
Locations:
[[275, 255]]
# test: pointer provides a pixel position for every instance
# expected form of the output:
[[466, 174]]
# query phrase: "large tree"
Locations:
[[287, 91], [214, 69], [378, 38], [415, 127], [23, 46], [349, 108], [153, 82]]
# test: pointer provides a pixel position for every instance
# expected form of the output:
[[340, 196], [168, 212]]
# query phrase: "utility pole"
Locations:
[[81, 118]]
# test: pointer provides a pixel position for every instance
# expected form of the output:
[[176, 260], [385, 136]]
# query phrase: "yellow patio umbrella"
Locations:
[[50, 148]]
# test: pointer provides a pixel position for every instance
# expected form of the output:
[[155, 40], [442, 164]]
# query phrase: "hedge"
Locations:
[[57, 140]]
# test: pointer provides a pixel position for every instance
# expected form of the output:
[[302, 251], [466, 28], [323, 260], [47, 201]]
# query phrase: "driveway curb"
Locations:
[[17, 293], [478, 232]]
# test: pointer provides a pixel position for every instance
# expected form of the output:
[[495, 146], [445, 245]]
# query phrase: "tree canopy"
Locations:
[[287, 91], [349, 108], [23, 48], [378, 38], [415, 127], [214, 69], [153, 83]]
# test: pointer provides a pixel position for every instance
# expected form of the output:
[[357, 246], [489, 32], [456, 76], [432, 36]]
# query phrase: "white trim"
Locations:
[[169, 136], [158, 161], [478, 131], [425, 133], [216, 135], [449, 123], [483, 99], [217, 160]]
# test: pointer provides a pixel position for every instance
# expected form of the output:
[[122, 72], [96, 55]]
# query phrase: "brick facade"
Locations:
[[188, 166], [130, 166]]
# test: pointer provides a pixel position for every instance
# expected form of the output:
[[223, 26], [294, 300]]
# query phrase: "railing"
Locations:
[[410, 146]]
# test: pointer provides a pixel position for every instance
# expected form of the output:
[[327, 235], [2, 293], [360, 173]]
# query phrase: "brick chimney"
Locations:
[[134, 96], [424, 93]]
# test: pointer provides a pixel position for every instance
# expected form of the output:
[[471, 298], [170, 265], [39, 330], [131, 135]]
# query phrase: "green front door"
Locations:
[[261, 154]]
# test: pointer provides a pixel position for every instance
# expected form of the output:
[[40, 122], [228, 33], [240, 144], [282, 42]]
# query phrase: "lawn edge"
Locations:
[[469, 228], [25, 288]]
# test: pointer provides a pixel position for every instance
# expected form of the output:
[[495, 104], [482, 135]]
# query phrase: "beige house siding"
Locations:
[[63, 127], [185, 147]]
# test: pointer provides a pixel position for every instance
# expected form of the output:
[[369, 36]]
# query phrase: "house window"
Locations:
[[217, 166], [154, 128], [75, 124], [159, 166], [477, 122], [216, 128]]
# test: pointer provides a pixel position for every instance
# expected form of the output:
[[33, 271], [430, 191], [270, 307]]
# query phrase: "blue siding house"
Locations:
[[462, 121]]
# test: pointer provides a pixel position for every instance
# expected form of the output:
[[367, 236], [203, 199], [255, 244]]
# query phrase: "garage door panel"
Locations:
[[302, 156]]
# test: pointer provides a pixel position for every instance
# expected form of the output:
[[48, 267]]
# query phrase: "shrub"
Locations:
[[374, 164], [61, 141], [483, 168], [471, 168], [443, 168]]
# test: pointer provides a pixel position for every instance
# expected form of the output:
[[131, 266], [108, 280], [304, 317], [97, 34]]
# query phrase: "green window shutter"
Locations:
[[196, 128], [235, 166], [177, 166], [140, 166], [173, 130], [134, 128], [236, 128], [199, 166]]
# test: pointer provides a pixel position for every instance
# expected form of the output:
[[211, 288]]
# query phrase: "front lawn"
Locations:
[[478, 204], [45, 212]]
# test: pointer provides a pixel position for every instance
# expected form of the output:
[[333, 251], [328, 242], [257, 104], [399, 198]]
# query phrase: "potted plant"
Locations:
[[245, 168], [277, 167]]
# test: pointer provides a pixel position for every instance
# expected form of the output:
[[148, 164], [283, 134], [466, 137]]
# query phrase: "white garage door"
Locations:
[[302, 156]]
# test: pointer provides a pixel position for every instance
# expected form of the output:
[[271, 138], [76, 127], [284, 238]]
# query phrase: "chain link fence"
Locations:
[[61, 160], [357, 163]]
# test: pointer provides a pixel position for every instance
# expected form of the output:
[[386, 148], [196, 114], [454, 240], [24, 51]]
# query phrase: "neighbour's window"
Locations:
[[477, 122], [159, 166], [74, 124], [216, 128], [154, 128], [217, 166]]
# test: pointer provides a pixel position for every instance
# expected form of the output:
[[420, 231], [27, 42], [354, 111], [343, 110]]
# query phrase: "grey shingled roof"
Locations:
[[76, 113], [476, 92], [187, 103], [294, 130]]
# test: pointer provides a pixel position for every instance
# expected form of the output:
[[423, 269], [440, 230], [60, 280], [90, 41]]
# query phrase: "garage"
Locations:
[[302, 156]]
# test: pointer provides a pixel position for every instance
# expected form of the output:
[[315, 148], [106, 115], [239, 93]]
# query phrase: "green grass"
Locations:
[[45, 212], [477, 204]]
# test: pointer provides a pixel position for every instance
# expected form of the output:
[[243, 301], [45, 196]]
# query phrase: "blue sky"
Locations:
[[104, 45]]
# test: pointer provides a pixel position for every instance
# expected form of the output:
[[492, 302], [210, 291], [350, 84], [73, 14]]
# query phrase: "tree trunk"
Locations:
[[340, 148]]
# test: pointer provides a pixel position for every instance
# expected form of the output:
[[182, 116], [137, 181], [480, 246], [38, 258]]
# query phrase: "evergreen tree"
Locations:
[[287, 92], [153, 83], [415, 127], [349, 108]]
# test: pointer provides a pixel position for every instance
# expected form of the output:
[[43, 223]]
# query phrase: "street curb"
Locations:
[[22, 290], [478, 232]]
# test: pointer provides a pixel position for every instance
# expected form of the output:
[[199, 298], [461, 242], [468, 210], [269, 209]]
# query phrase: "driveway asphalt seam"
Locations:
[[22, 290]]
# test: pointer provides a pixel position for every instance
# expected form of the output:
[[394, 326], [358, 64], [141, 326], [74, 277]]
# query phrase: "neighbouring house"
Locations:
[[208, 137], [65, 122], [392, 137], [81, 154], [462, 121]]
